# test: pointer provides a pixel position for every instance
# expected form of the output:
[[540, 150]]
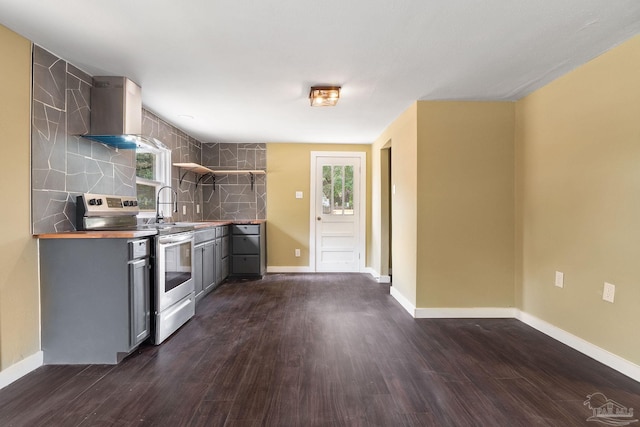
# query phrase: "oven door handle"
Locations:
[[175, 238]]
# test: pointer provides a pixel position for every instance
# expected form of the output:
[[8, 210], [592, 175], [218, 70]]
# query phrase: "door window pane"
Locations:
[[348, 190], [338, 184], [337, 190], [326, 190]]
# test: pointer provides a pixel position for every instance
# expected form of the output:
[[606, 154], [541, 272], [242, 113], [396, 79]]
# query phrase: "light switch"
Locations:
[[298, 194], [184, 209]]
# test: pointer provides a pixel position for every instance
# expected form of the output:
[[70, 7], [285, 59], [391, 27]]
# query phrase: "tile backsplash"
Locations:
[[65, 165], [232, 198]]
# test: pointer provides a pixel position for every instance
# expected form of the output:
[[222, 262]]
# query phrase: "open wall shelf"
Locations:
[[204, 171]]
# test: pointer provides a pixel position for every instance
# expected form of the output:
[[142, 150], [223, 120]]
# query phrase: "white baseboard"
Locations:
[[466, 313], [20, 369], [279, 269], [377, 276], [599, 354], [404, 302], [603, 356]]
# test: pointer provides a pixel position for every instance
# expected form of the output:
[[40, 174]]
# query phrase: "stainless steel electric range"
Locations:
[[172, 289]]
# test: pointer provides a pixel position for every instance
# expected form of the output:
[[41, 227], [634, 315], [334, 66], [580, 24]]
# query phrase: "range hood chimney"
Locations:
[[116, 113]]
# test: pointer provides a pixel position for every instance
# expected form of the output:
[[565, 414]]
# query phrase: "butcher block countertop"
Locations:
[[103, 234], [135, 234]]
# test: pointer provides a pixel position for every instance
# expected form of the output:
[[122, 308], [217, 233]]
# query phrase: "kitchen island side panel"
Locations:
[[85, 300]]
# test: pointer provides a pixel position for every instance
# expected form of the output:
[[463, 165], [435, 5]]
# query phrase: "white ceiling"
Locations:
[[243, 68]]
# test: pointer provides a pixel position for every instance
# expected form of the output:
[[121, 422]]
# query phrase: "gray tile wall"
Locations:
[[232, 197], [184, 149], [65, 165]]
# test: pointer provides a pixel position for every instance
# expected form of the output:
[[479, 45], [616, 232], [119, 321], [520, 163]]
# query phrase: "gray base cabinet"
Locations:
[[211, 259], [95, 298], [222, 251], [248, 250], [140, 301]]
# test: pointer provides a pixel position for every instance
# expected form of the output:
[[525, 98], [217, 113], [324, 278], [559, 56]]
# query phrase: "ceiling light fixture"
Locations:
[[324, 96]]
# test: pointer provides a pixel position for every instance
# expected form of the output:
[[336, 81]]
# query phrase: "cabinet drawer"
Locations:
[[204, 235], [246, 229], [245, 244], [139, 249], [246, 264]]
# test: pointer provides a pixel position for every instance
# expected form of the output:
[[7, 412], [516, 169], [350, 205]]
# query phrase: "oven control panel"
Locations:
[[107, 205]]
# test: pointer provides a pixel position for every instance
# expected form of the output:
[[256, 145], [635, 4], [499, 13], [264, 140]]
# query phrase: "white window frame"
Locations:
[[162, 174]]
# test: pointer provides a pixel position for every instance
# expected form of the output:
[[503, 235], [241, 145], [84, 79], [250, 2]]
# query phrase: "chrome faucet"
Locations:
[[159, 216]]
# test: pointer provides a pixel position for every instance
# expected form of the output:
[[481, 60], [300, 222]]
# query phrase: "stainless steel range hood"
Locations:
[[116, 113]]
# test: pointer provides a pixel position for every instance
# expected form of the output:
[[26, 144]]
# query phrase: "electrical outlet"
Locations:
[[184, 209], [560, 279], [198, 208], [609, 292], [297, 252]]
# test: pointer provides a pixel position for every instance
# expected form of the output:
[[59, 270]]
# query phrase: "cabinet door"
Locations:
[[198, 262], [140, 301], [225, 267], [219, 255], [224, 245], [208, 266]]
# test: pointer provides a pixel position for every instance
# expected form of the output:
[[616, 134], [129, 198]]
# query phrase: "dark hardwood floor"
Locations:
[[324, 350]]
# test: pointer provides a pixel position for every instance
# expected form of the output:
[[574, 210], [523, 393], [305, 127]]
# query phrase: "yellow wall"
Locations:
[[288, 171], [401, 135], [465, 204], [578, 144], [19, 297]]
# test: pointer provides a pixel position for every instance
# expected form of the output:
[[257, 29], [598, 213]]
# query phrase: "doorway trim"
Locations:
[[386, 232], [362, 229]]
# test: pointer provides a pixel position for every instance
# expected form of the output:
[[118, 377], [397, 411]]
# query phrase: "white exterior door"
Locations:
[[338, 211]]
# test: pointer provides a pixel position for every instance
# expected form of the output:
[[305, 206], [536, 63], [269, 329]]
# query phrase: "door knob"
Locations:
[[319, 218]]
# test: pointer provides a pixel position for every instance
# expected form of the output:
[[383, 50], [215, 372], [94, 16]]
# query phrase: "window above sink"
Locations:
[[153, 171]]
